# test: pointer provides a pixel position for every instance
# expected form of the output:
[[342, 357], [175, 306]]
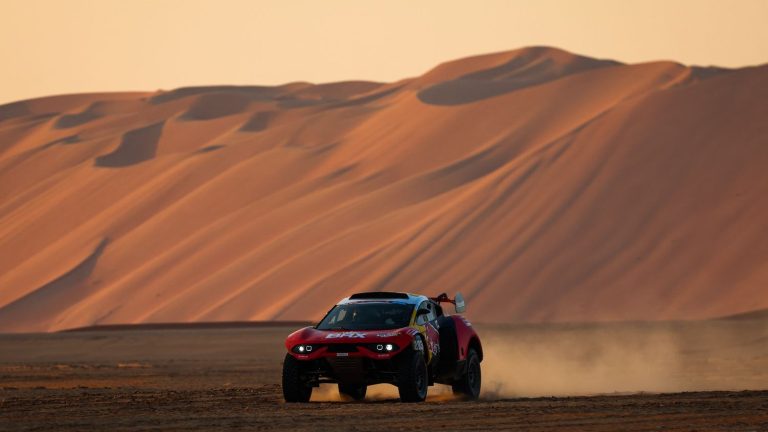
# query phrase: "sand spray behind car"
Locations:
[[587, 359], [577, 363]]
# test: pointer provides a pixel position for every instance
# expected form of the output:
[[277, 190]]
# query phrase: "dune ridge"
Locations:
[[545, 186]]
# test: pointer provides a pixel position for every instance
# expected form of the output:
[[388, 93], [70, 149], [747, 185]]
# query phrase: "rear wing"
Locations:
[[457, 301]]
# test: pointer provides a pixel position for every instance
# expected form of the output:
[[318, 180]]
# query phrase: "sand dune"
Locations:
[[545, 186]]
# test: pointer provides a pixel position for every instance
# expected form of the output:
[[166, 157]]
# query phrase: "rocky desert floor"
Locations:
[[680, 376]]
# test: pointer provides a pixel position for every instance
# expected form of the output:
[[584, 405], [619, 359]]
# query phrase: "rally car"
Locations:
[[385, 337]]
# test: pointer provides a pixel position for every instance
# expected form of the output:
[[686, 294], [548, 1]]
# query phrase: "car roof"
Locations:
[[385, 297]]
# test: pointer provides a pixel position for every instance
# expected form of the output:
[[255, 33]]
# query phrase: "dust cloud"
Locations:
[[578, 362]]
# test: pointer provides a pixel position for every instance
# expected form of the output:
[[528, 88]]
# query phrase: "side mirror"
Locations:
[[460, 306], [422, 311]]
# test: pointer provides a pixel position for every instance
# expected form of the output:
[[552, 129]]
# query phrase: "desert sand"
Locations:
[[601, 377], [545, 186]]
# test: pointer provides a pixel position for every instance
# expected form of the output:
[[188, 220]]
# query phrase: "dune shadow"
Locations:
[[66, 289], [210, 148], [530, 69], [252, 92], [362, 100], [759, 314], [216, 105], [705, 72], [71, 139], [14, 109], [71, 120], [258, 122], [137, 146], [290, 101], [460, 91]]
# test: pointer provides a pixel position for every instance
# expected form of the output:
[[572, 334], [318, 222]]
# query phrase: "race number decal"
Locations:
[[418, 345]]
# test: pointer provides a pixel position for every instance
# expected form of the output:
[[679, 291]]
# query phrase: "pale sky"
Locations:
[[71, 46]]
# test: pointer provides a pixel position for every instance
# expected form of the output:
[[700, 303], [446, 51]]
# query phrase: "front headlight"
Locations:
[[303, 349], [383, 347]]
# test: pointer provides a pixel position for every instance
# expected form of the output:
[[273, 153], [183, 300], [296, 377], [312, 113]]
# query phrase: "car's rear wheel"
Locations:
[[412, 380], [353, 391], [294, 388], [469, 384]]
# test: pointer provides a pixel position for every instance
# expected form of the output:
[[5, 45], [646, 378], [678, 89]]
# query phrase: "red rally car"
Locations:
[[385, 337]]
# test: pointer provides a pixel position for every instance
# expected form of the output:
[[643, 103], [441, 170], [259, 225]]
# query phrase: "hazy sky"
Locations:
[[67, 46]]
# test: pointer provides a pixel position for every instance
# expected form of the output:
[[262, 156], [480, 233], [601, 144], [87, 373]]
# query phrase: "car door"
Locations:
[[429, 329]]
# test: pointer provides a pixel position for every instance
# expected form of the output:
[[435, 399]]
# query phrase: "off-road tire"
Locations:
[[352, 391], [294, 389], [412, 379], [468, 385]]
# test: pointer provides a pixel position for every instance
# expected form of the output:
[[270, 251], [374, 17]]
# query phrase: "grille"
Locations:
[[348, 369], [342, 348]]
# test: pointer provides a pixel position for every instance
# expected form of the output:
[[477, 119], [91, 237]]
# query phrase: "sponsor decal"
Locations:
[[342, 354], [350, 335], [436, 348], [386, 335], [433, 339]]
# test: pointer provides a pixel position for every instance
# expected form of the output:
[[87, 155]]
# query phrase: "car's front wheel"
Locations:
[[294, 388], [353, 391], [469, 384], [412, 380]]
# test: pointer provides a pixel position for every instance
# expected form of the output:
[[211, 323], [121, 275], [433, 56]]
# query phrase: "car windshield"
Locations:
[[367, 316]]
